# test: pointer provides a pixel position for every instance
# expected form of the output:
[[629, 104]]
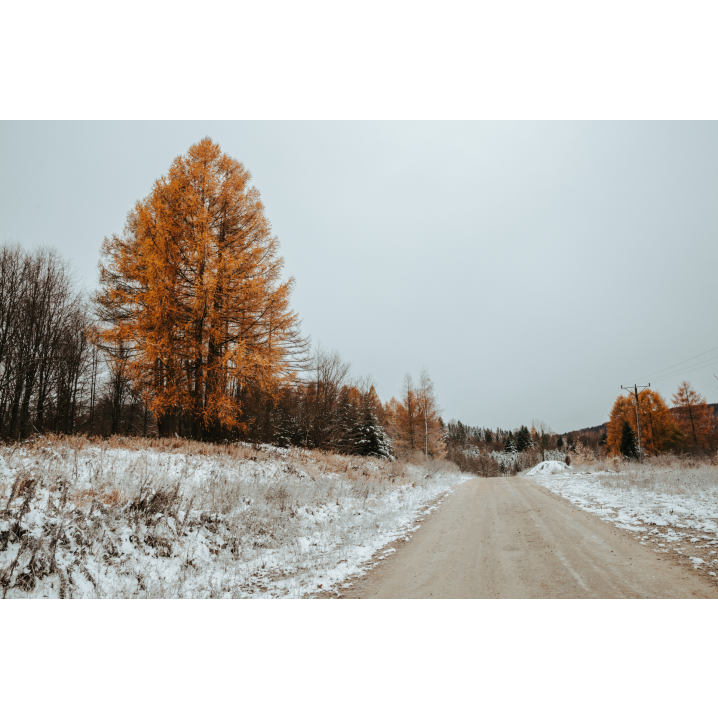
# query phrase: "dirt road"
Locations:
[[509, 538]]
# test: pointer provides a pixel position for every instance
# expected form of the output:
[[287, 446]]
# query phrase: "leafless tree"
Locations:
[[42, 342], [328, 373], [544, 436]]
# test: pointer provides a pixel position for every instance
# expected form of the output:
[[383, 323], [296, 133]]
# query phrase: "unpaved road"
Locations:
[[510, 538]]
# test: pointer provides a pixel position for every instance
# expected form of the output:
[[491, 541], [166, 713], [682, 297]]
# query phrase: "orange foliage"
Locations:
[[658, 430], [430, 427], [414, 422], [191, 294], [406, 416], [693, 416]]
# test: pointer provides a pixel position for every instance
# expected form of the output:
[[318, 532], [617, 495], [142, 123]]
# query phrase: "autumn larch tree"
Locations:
[[693, 417], [406, 415], [430, 427], [193, 292], [658, 430]]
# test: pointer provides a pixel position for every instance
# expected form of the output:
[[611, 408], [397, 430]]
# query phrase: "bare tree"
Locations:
[[544, 435], [328, 374], [43, 343], [429, 414], [12, 285]]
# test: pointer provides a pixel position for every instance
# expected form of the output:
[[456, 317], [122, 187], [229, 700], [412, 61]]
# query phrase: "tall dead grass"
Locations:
[[178, 500], [665, 473]]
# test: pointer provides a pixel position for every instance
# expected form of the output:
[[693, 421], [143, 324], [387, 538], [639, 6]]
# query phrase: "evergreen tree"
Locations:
[[372, 439], [284, 429], [523, 439], [628, 445], [559, 442], [488, 438], [460, 433], [509, 445], [348, 423]]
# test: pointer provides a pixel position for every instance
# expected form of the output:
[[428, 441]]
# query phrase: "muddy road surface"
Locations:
[[509, 538]]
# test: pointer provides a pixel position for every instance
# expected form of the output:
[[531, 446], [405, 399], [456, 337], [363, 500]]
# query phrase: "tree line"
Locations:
[[189, 333], [496, 452], [689, 426], [45, 343], [539, 436]]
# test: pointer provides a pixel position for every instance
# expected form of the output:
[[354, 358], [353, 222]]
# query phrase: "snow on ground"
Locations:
[[672, 509], [92, 521], [547, 468]]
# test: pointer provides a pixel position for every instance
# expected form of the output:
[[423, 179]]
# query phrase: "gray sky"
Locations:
[[531, 267]]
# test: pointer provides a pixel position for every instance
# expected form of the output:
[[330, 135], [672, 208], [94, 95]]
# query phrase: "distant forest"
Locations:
[[689, 426]]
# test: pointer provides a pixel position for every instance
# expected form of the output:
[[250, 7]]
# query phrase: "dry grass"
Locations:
[[666, 473], [163, 518], [173, 445]]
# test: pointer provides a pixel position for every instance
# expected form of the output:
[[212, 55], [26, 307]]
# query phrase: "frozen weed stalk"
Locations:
[[175, 518]]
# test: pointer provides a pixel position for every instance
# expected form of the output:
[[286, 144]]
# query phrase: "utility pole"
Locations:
[[636, 393]]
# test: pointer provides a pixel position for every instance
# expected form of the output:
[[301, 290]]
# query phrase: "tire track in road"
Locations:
[[507, 538]]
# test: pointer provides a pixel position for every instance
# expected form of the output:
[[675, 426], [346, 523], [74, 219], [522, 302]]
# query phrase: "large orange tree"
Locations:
[[694, 418], [658, 430], [193, 287]]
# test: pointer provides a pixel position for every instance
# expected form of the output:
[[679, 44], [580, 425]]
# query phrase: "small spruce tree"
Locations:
[[373, 440], [523, 439], [628, 445]]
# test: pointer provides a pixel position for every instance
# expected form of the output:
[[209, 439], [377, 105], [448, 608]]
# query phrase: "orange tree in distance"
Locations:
[[193, 287], [658, 430], [430, 428], [694, 418], [414, 420]]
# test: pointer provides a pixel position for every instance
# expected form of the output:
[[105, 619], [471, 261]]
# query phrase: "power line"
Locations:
[[645, 376], [703, 365], [688, 370]]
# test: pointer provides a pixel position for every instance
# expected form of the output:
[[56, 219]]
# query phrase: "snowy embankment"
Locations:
[[670, 508], [83, 521]]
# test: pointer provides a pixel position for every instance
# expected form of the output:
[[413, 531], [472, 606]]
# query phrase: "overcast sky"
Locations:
[[532, 268]]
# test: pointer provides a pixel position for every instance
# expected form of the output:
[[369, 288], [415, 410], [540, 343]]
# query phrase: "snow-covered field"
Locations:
[[91, 520], [671, 507]]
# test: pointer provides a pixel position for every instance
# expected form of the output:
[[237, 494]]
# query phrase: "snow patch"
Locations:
[[547, 468], [155, 524], [669, 509]]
